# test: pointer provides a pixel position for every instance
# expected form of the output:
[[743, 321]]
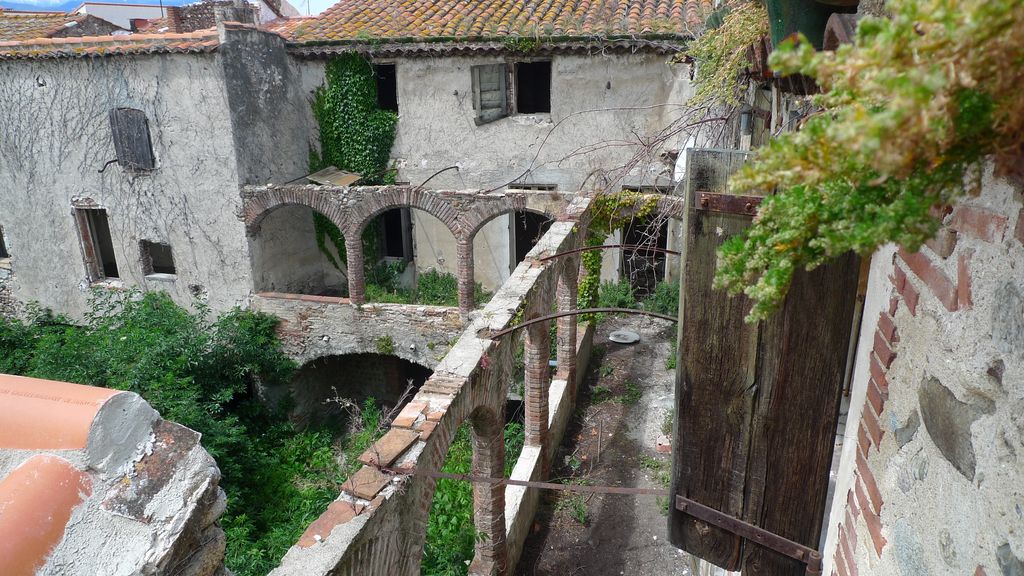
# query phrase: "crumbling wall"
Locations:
[[93, 481], [930, 481], [57, 138]]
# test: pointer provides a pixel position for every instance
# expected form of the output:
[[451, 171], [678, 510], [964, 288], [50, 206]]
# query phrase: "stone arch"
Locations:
[[257, 205], [286, 257], [372, 202], [355, 376]]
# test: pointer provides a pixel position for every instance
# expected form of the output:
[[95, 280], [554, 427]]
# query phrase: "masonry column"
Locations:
[[536, 356], [491, 556], [464, 254], [354, 256], [566, 347]]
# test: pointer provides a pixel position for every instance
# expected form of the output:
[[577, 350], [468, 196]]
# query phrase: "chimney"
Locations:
[[174, 19]]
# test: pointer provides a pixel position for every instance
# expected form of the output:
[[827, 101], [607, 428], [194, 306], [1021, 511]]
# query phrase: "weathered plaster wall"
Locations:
[[216, 121], [936, 473], [53, 114], [594, 99], [286, 258], [271, 118]]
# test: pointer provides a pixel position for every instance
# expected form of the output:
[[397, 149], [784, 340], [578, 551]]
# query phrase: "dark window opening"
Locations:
[[97, 244], [396, 233], [132, 143], [533, 87], [534, 187], [644, 268], [387, 86], [527, 228], [156, 258], [3, 245]]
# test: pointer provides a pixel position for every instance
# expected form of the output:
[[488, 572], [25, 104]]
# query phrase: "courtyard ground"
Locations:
[[623, 407]]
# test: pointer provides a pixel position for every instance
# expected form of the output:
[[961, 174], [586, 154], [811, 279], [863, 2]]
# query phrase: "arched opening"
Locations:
[[320, 390], [525, 229], [641, 267], [387, 252], [298, 251]]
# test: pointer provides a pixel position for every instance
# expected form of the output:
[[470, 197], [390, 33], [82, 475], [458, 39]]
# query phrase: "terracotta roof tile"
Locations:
[[29, 25], [45, 415], [199, 41], [375, 20], [36, 501]]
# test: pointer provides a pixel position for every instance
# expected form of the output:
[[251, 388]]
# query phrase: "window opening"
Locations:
[[644, 268], [527, 228], [534, 187], [156, 258], [97, 244], [3, 245], [397, 224], [132, 143], [387, 86], [533, 87]]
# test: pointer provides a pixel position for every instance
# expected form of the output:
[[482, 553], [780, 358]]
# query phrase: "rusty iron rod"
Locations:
[[526, 483], [635, 247], [770, 540], [511, 329]]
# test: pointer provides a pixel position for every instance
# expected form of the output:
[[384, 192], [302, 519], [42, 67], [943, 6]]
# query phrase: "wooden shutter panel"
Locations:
[[130, 130], [490, 92], [757, 404]]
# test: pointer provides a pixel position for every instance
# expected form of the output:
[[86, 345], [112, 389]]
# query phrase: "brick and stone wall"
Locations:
[[930, 481]]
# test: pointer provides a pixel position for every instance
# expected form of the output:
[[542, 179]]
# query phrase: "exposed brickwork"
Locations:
[[979, 223], [464, 252], [933, 277]]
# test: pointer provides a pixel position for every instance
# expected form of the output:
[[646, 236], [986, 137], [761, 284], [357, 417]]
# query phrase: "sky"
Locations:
[[312, 7]]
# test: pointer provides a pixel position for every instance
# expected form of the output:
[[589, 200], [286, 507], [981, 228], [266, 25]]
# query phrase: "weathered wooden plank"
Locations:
[[801, 365], [757, 406], [716, 372]]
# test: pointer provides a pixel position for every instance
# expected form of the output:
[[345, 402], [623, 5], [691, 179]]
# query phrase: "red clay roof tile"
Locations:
[[46, 415], [354, 20], [36, 501]]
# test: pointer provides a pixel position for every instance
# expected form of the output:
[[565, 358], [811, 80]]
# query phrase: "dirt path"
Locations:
[[621, 411]]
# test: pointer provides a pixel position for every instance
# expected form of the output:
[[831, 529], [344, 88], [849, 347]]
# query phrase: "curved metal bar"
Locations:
[[511, 329], [636, 247]]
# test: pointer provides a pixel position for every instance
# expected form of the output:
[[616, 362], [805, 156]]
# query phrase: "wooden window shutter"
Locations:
[[756, 404], [130, 130], [490, 92]]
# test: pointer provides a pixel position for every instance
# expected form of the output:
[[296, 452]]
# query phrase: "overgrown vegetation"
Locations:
[[356, 135], [451, 535], [609, 212], [907, 115], [201, 373], [722, 54], [432, 288]]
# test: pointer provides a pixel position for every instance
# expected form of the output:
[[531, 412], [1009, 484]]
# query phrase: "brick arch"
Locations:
[[258, 204], [372, 202], [476, 225]]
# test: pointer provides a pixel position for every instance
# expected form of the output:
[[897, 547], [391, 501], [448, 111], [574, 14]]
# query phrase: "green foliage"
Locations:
[[670, 362], [355, 134], [437, 289], [632, 394], [907, 114], [664, 300], [616, 295], [609, 212], [722, 54], [524, 44], [450, 532], [385, 345], [600, 394], [199, 373], [326, 231]]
